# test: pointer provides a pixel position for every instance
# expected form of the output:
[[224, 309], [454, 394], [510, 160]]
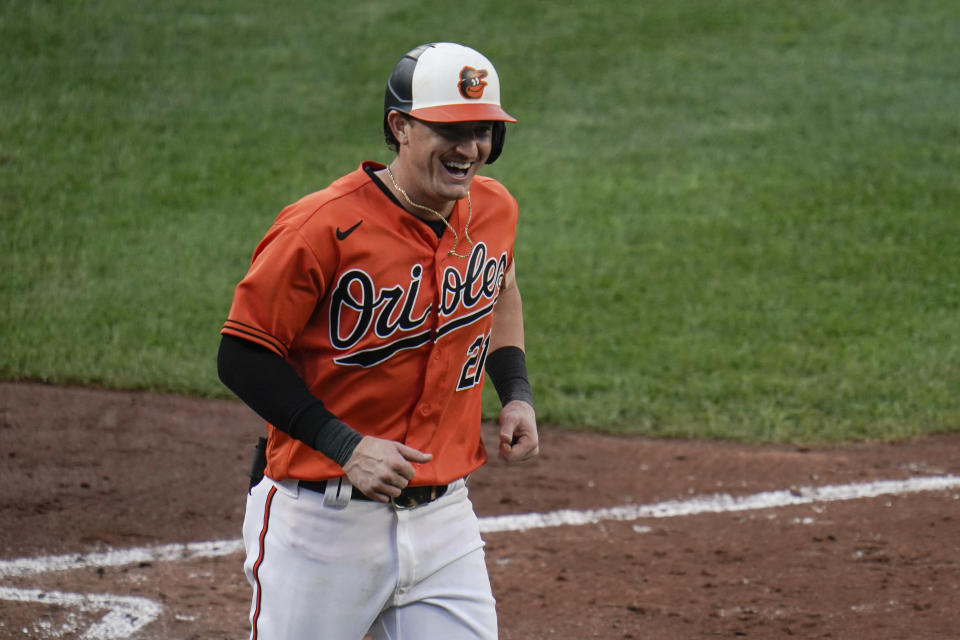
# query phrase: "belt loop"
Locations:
[[337, 494]]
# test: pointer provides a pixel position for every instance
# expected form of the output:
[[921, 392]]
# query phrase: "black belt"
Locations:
[[408, 498]]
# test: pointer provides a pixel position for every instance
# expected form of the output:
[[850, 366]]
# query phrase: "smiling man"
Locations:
[[361, 334]]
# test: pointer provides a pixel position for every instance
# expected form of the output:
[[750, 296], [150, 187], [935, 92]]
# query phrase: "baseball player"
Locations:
[[361, 333]]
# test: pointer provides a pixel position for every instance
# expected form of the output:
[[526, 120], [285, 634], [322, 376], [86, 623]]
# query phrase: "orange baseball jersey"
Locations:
[[385, 328]]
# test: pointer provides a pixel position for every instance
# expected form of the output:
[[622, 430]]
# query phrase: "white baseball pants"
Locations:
[[322, 573]]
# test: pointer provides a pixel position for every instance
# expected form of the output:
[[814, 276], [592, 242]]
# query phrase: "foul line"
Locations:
[[118, 557], [720, 503], [126, 615]]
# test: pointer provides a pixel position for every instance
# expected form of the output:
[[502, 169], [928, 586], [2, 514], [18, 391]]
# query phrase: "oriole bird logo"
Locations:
[[472, 83]]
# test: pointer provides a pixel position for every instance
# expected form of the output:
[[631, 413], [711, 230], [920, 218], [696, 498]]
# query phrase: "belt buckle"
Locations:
[[408, 504], [409, 499]]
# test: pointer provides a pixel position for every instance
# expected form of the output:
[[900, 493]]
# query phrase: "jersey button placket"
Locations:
[[406, 558]]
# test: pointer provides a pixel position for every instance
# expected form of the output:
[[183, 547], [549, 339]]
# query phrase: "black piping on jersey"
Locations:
[[372, 357], [258, 334], [437, 225]]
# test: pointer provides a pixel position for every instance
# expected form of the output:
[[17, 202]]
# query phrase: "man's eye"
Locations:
[[460, 132]]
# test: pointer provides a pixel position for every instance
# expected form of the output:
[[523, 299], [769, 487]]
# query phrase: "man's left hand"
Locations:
[[518, 432]]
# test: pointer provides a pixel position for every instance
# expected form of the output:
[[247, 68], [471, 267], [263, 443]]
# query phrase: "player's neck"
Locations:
[[410, 199]]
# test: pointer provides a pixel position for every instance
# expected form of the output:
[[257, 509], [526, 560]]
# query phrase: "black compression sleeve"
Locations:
[[270, 386], [507, 368]]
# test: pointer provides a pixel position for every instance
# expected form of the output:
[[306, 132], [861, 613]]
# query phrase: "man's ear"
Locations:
[[398, 123]]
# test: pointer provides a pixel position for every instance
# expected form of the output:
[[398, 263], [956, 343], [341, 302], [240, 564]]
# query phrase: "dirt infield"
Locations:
[[88, 471]]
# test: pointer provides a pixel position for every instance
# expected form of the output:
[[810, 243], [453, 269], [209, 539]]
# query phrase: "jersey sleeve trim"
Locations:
[[248, 332]]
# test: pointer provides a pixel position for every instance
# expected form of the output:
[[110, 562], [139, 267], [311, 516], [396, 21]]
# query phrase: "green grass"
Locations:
[[738, 219]]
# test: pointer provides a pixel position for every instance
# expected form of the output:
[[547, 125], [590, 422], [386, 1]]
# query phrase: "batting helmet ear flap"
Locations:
[[499, 136]]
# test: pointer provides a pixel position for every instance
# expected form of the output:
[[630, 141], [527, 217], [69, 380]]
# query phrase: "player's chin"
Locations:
[[455, 191]]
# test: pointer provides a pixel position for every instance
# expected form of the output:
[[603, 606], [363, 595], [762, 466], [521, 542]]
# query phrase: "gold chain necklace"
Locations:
[[456, 238]]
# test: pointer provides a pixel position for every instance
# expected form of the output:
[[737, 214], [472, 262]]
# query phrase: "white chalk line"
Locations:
[[118, 557], [720, 503], [127, 615]]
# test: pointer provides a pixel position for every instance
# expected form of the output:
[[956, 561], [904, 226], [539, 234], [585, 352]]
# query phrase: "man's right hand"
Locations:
[[381, 469]]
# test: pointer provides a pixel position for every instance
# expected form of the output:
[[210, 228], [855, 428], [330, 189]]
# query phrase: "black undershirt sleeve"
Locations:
[[270, 386], [507, 368]]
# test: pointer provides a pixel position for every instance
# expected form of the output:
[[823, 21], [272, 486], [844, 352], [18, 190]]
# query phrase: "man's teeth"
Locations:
[[460, 166]]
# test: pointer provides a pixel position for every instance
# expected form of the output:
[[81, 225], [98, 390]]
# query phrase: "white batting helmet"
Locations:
[[446, 82]]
